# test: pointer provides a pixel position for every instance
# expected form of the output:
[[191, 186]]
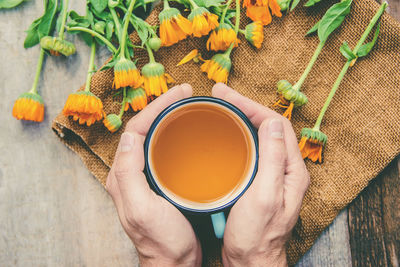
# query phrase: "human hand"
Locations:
[[161, 234], [259, 224]]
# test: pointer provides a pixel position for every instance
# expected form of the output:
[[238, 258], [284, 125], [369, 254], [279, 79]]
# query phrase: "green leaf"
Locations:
[[209, 3], [110, 64], [59, 19], [99, 5], [332, 19], [32, 37], [311, 2], [366, 48], [109, 30], [294, 4], [346, 52], [10, 3], [48, 20], [313, 29], [141, 27]]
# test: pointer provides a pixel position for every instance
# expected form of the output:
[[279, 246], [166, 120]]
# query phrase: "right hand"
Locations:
[[260, 223]]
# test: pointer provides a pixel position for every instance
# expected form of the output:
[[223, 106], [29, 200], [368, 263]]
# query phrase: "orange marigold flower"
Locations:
[[173, 26], [311, 144], [222, 37], [217, 68], [112, 122], [259, 10], [155, 79], [126, 74], [202, 21], [289, 98], [254, 33], [85, 107], [29, 106], [136, 98]]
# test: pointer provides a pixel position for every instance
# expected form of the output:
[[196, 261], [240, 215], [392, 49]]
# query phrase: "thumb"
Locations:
[[272, 158], [128, 169]]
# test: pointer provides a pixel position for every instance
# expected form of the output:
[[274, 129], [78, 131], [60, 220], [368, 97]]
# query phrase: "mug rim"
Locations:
[[149, 175]]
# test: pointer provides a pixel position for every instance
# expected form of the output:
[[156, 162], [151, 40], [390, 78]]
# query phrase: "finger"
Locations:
[[128, 170], [257, 113], [266, 192], [142, 121], [113, 190]]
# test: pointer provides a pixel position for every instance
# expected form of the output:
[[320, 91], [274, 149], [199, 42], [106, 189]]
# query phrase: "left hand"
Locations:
[[161, 234]]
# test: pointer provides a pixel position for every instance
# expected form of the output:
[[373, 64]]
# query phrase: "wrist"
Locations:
[[191, 259], [270, 258]]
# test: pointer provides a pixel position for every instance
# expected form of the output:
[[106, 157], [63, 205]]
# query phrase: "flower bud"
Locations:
[[155, 43], [292, 95], [113, 3], [283, 4], [314, 135], [112, 122], [56, 46], [100, 26]]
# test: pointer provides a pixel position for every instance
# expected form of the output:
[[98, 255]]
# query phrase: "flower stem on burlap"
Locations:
[[91, 66], [312, 139], [349, 63]]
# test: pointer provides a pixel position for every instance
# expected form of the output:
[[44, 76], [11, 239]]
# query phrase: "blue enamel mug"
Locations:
[[214, 209]]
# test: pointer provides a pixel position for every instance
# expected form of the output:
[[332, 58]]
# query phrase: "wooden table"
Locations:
[[54, 213]]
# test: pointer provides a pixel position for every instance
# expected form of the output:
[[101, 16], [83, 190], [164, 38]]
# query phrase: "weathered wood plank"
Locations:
[[374, 221], [375, 215], [332, 248]]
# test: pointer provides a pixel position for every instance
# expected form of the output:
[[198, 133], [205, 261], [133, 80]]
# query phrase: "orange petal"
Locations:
[[192, 54]]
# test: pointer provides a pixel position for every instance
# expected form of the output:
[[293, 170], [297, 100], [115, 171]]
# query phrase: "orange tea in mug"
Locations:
[[201, 155]]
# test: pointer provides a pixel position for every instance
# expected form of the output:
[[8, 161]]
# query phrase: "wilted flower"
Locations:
[[29, 106]]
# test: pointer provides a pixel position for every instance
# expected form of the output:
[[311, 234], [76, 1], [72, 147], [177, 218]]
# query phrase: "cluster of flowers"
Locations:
[[140, 87], [223, 36]]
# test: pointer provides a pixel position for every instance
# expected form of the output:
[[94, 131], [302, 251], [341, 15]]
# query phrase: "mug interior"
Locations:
[[238, 190]]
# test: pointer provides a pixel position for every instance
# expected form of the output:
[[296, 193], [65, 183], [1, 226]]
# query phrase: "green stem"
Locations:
[[347, 65], [125, 27], [166, 4], [229, 50], [121, 112], [371, 25], [194, 5], [116, 22], [64, 19], [237, 19], [91, 66], [303, 77], [151, 55], [38, 71], [225, 10], [95, 34], [242, 31]]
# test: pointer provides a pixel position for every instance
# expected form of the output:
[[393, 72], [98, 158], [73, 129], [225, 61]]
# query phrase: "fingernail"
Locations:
[[126, 143], [275, 129]]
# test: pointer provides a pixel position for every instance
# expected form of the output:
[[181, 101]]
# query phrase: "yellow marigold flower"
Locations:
[[126, 74], [222, 37], [112, 122], [56, 46], [259, 10], [289, 98], [136, 98], [85, 107], [217, 68], [254, 33], [155, 79], [29, 106], [202, 21], [173, 26], [311, 144]]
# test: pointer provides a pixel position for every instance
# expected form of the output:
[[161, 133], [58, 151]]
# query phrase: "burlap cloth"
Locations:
[[362, 123]]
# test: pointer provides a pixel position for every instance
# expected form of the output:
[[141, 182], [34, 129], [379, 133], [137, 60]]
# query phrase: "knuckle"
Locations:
[[120, 171]]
